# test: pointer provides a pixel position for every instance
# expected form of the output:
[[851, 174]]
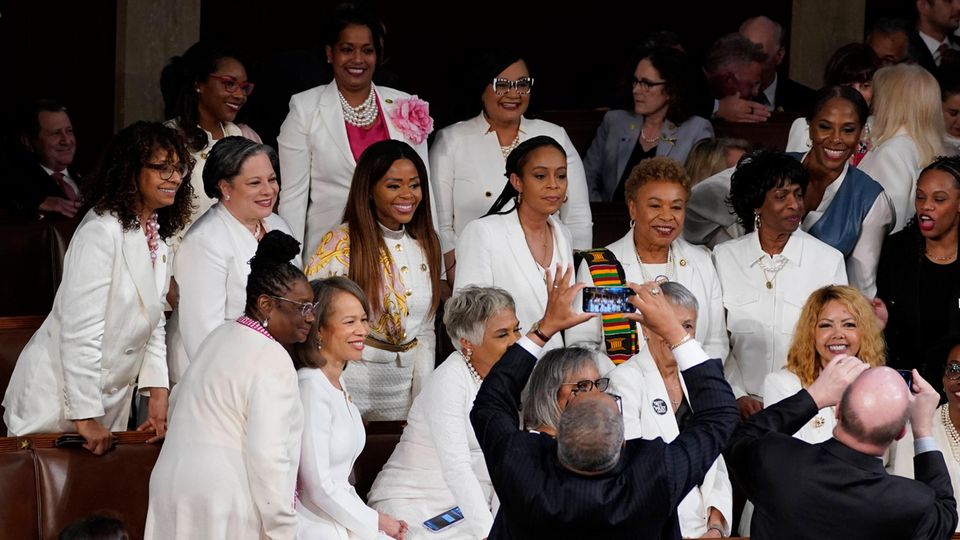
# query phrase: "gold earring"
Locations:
[[756, 221], [565, 198]]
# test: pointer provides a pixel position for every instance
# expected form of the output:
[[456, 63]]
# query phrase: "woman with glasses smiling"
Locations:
[[104, 337], [660, 124], [467, 159], [655, 405], [556, 379]]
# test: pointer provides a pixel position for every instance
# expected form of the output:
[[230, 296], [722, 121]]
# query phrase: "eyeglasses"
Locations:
[[523, 85], [952, 372], [588, 385], [306, 308], [230, 84], [167, 169], [646, 84]]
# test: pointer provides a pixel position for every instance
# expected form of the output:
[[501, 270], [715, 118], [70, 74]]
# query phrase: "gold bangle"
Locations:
[[685, 339]]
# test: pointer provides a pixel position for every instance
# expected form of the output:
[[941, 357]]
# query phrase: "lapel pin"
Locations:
[[683, 262], [388, 101]]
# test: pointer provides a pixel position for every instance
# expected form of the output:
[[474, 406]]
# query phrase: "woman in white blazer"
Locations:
[[467, 159], [660, 123], [438, 463], [907, 133], [333, 432], [655, 405], [105, 335], [228, 467], [213, 260], [329, 126], [656, 196], [511, 249]]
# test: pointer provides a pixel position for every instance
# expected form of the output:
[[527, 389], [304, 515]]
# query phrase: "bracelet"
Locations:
[[715, 526], [685, 339]]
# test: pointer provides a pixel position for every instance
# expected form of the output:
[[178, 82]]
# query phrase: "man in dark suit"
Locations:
[[937, 20], [40, 182], [839, 488], [776, 93], [589, 483]]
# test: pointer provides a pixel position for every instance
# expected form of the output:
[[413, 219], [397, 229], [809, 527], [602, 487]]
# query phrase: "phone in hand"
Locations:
[[444, 520], [607, 300], [907, 375]]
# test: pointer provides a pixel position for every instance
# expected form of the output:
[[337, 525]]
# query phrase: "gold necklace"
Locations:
[[944, 258], [542, 265]]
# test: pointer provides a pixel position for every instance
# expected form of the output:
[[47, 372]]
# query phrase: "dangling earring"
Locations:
[[265, 323], [756, 221], [632, 223], [518, 199], [467, 352], [319, 344]]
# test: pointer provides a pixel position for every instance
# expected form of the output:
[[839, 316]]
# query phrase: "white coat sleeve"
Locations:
[[85, 290], [719, 494], [799, 138], [316, 483], [629, 386], [475, 256], [272, 401], [448, 421], [442, 174], [295, 156], [202, 276], [575, 213], [863, 260], [716, 343], [153, 369], [894, 165]]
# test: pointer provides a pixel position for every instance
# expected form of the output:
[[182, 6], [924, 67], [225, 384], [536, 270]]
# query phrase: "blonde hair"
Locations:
[[709, 156], [908, 96], [661, 169], [803, 359]]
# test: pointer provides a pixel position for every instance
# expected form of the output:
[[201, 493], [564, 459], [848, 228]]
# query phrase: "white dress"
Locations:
[[467, 167], [438, 463], [333, 437], [761, 320], [647, 415], [228, 466], [212, 266]]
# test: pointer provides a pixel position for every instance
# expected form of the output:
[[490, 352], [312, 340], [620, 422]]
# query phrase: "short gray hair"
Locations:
[[227, 157], [590, 436], [680, 296], [732, 49], [465, 314], [541, 407]]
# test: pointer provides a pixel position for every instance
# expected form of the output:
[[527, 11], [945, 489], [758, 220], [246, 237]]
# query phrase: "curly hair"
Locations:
[[661, 169], [803, 360], [114, 185], [756, 174]]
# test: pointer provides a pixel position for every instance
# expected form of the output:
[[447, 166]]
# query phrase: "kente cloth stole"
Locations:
[[619, 333]]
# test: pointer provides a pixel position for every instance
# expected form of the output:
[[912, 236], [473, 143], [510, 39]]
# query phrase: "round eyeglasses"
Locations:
[[166, 169], [587, 385], [306, 308]]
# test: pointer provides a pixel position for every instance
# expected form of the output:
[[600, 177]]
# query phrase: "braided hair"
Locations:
[[271, 272]]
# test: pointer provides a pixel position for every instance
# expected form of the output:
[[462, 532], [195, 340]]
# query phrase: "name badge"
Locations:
[[660, 406]]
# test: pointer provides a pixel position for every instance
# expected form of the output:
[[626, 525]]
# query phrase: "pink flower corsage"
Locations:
[[411, 116]]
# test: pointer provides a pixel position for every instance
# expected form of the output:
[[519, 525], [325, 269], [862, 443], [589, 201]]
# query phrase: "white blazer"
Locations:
[[492, 251], [104, 336], [895, 164], [467, 168], [695, 271], [647, 415], [316, 163], [211, 266]]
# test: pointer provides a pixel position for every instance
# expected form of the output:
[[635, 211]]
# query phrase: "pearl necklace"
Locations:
[[505, 150], [774, 265], [362, 115], [152, 232], [951, 430], [659, 279], [646, 140], [473, 372]]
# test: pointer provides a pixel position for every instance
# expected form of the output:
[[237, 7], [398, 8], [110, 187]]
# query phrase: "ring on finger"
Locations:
[[654, 291]]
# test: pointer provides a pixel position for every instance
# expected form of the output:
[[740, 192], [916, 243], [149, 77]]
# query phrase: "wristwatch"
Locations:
[[536, 331]]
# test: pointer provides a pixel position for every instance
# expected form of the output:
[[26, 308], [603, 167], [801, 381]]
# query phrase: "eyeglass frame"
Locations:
[[306, 308], [646, 84], [592, 384], [226, 80], [947, 371], [170, 168], [512, 85]]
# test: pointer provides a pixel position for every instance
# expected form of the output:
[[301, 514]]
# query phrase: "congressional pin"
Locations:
[[683, 262], [388, 101], [659, 406], [164, 258]]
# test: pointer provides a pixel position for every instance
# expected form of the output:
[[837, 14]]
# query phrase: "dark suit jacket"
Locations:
[[637, 499], [28, 185], [828, 490], [792, 96]]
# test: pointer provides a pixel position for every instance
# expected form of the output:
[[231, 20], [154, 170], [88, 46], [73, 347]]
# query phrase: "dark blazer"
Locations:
[[828, 490], [637, 499], [792, 96], [28, 185]]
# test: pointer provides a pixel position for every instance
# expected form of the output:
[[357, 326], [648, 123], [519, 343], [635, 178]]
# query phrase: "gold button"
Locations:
[[403, 268], [399, 247], [423, 267], [683, 262], [164, 258], [409, 292], [488, 194]]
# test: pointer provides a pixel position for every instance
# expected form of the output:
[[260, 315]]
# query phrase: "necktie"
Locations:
[[940, 50], [69, 193]]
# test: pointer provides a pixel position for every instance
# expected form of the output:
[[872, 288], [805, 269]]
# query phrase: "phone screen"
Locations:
[[907, 376], [607, 300], [444, 520]]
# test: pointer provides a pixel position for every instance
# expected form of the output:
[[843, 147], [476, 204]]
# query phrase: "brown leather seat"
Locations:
[[19, 511], [772, 134], [382, 438]]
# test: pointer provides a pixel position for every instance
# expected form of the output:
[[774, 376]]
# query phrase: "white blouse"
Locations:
[[782, 384], [761, 320]]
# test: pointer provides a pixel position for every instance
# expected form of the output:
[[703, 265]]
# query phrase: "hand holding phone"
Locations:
[[607, 300]]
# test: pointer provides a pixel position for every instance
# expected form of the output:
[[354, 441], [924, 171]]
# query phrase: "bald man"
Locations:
[[781, 94], [839, 488]]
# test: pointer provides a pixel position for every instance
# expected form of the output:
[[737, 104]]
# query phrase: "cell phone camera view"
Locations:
[[607, 300], [907, 376], [444, 520]]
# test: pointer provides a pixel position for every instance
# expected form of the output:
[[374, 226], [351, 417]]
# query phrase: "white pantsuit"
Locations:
[[103, 337], [212, 266], [467, 167], [316, 162], [647, 415], [492, 252]]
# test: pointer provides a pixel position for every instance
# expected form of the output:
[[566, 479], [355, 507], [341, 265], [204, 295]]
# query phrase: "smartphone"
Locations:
[[444, 520], [907, 376], [607, 300]]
